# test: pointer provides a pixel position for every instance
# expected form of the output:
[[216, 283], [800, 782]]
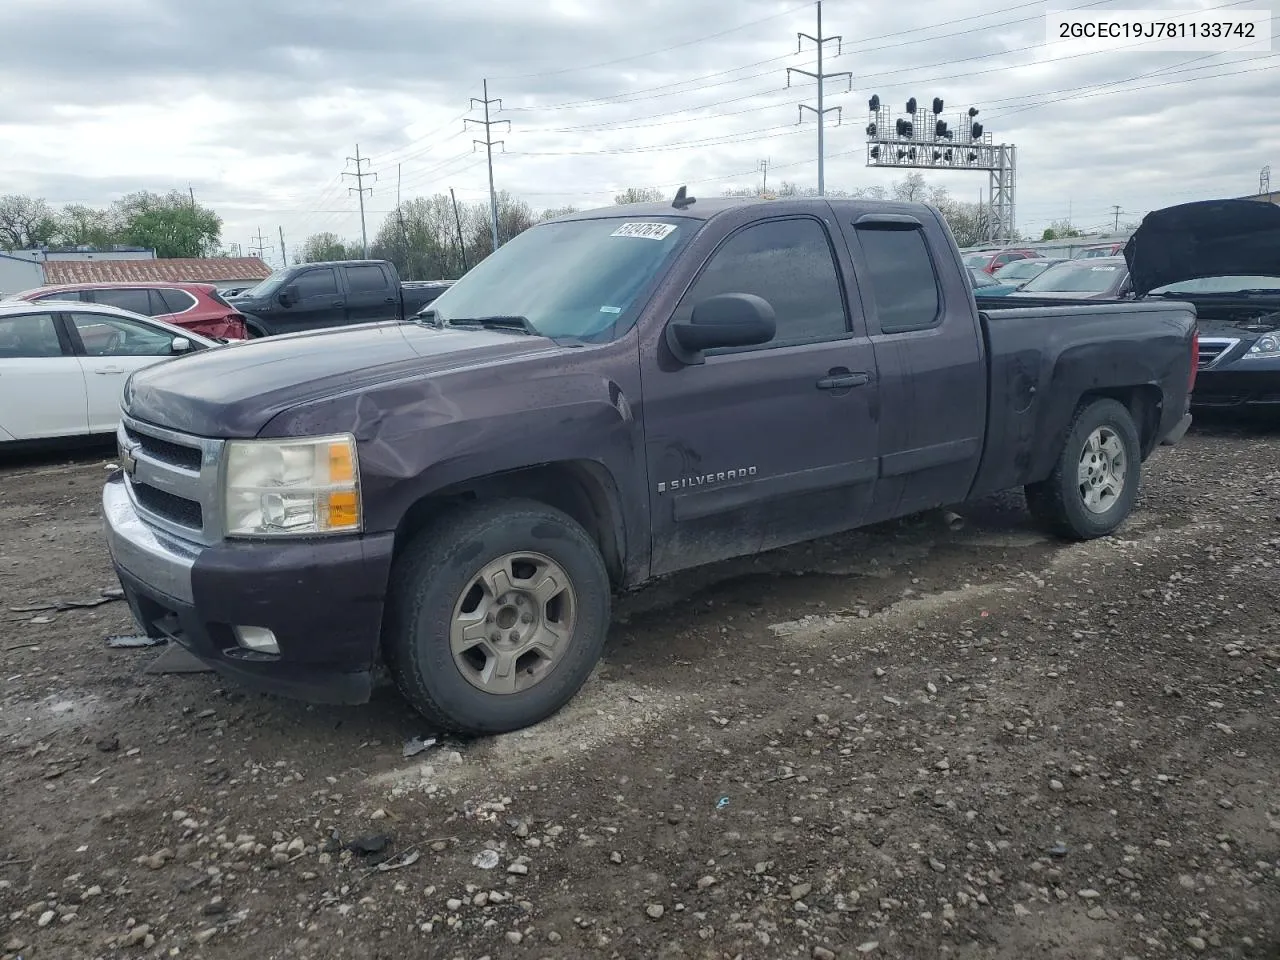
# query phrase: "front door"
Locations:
[[768, 445], [316, 301], [113, 347]]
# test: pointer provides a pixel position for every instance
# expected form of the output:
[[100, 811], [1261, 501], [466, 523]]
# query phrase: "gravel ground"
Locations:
[[909, 742]]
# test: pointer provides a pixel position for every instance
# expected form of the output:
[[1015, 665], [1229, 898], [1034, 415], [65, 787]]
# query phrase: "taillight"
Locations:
[[1195, 358]]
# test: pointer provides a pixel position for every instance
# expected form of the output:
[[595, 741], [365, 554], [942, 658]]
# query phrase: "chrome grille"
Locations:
[[1213, 349], [172, 479]]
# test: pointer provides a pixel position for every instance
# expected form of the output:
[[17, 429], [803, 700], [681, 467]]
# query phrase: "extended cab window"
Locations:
[[901, 277], [365, 279], [316, 283], [788, 263]]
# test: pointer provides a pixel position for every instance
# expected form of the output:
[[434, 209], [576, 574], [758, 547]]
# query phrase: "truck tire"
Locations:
[[1094, 483], [495, 617]]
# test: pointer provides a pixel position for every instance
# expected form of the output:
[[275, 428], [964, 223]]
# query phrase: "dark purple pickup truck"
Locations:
[[610, 397]]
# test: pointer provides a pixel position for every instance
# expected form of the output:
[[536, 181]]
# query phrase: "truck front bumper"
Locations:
[[322, 600]]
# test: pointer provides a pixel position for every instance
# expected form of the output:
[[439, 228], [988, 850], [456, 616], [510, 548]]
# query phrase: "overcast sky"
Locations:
[[257, 104]]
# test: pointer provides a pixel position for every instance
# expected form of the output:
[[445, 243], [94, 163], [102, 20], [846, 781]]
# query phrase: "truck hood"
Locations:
[[1207, 238], [234, 391]]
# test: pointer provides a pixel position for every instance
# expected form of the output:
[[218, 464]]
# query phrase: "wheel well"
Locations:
[[255, 326], [1144, 404], [581, 489]]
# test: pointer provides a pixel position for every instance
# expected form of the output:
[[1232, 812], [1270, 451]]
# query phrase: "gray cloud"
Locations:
[[271, 98]]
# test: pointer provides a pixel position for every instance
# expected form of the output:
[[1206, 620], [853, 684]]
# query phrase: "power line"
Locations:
[[489, 143], [359, 190], [652, 53], [259, 250]]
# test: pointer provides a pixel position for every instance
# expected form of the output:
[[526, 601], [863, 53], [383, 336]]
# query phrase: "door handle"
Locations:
[[844, 381], [389, 300], [339, 303], [107, 371]]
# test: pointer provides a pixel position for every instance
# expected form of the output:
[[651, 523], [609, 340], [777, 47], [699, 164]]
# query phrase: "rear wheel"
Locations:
[[1094, 483], [496, 617]]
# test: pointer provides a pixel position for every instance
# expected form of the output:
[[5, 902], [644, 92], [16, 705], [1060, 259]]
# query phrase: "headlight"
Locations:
[[306, 487], [1265, 347]]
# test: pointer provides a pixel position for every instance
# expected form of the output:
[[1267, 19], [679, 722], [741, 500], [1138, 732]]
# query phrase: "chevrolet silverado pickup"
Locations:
[[313, 296], [611, 397]]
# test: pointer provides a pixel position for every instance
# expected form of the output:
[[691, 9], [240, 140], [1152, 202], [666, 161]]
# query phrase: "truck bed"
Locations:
[[1043, 357]]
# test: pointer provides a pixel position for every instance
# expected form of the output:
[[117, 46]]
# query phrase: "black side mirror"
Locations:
[[727, 320], [285, 297]]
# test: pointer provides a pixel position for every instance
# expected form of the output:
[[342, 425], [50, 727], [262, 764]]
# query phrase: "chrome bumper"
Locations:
[[159, 560]]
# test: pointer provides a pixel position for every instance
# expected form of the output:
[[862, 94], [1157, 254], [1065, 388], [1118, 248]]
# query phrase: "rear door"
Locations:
[[110, 349], [42, 387], [767, 445], [371, 295], [932, 364]]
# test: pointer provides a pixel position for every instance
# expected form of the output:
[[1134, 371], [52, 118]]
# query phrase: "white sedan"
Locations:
[[63, 365]]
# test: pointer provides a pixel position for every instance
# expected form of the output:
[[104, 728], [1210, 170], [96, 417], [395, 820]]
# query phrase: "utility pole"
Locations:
[[284, 257], [821, 78], [1116, 211], [192, 191], [457, 218], [360, 190], [259, 249], [764, 177], [489, 143], [1264, 180]]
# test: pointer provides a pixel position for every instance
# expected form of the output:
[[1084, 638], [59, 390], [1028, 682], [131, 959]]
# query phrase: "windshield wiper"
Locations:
[[496, 322]]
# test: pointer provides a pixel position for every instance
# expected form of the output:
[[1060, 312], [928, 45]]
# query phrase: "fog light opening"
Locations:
[[258, 639]]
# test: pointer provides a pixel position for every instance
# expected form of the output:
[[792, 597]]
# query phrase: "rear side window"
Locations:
[[901, 277], [170, 300], [28, 337], [137, 301], [365, 279]]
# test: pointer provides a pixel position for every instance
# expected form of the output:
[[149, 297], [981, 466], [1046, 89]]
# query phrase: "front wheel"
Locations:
[[496, 616], [1094, 483]]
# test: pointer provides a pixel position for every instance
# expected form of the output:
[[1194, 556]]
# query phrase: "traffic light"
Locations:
[[904, 129], [937, 105], [976, 131], [871, 129], [874, 104], [875, 152], [911, 106]]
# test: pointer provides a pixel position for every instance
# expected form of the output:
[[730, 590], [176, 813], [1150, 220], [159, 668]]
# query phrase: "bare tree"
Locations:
[[639, 195]]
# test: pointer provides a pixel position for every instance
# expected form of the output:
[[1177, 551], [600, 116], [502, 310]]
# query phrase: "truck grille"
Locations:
[[172, 479], [1213, 349]]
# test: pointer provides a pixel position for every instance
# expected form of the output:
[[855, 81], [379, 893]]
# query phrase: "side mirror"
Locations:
[[285, 297], [180, 345], [727, 320]]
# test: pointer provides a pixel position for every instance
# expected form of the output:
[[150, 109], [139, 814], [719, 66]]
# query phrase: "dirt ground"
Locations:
[[909, 742]]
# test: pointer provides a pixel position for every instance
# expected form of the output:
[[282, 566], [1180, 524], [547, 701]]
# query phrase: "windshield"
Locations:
[[981, 279], [1022, 269], [1221, 285], [267, 287], [1076, 278], [572, 279], [976, 261]]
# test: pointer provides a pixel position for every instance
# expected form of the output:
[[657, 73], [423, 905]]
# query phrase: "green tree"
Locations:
[[82, 226], [1060, 230], [171, 225], [25, 223], [639, 195], [321, 247]]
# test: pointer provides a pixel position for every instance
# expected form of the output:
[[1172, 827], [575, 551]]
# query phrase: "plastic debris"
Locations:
[[416, 746], [405, 860], [485, 859], [125, 643], [369, 845], [722, 803]]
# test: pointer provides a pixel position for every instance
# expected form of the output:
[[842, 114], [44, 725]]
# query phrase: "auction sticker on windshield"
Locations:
[[651, 231]]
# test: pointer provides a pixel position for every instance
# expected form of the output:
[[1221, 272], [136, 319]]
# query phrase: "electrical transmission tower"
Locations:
[[259, 249], [764, 177], [360, 190], [821, 78], [1264, 179], [489, 143]]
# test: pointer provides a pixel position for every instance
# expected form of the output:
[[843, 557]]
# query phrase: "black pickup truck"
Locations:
[[312, 296], [612, 396]]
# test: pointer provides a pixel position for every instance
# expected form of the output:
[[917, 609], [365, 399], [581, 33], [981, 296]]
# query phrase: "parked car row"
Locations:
[[197, 307]]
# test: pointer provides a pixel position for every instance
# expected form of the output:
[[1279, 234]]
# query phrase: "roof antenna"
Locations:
[[683, 200]]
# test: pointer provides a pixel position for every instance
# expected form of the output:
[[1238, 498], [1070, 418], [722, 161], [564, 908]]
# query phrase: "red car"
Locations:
[[197, 306], [989, 261]]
